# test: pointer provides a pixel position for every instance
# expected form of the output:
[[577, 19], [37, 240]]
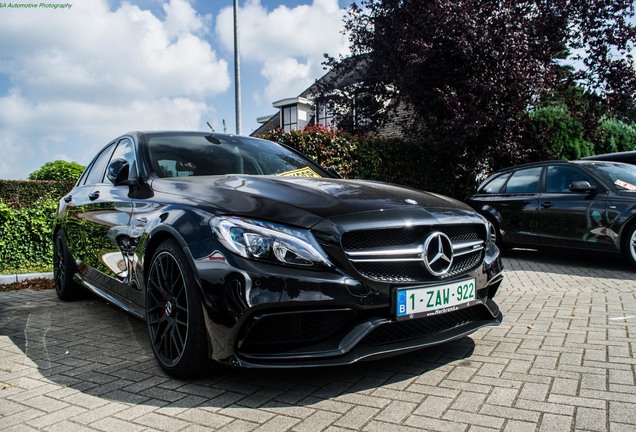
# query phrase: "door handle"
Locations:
[[546, 204], [68, 199], [94, 196]]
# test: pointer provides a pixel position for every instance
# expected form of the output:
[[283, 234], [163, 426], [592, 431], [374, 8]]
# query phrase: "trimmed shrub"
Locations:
[[328, 147], [25, 235], [58, 170], [23, 193]]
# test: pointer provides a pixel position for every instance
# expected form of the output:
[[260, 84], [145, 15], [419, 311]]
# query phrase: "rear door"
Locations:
[[517, 207]]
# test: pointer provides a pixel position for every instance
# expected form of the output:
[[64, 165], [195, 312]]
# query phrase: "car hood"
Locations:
[[307, 201]]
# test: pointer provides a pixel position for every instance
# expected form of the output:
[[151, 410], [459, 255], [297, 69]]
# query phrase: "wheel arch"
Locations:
[[627, 228], [155, 239]]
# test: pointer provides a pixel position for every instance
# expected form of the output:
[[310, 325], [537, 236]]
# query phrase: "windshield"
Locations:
[[622, 176], [200, 155]]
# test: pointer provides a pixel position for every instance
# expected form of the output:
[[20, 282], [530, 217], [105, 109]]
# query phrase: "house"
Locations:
[[295, 113]]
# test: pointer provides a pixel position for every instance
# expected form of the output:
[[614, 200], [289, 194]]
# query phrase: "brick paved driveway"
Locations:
[[562, 360]]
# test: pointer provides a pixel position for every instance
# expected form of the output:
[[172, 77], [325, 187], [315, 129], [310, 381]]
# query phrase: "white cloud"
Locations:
[[285, 75], [288, 43], [86, 74]]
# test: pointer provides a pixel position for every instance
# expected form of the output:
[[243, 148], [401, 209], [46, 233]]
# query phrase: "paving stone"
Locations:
[[561, 360], [357, 417], [318, 421]]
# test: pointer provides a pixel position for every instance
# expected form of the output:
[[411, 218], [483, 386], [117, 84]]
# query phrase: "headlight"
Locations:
[[268, 241]]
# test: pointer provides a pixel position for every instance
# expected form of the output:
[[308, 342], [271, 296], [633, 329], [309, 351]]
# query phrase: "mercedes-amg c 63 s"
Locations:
[[243, 251]]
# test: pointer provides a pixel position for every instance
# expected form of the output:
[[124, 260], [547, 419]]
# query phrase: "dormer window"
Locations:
[[289, 118], [295, 113]]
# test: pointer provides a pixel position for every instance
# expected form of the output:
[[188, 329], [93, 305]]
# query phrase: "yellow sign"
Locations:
[[302, 172]]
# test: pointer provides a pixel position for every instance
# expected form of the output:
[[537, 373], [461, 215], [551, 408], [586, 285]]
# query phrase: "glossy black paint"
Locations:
[[592, 216], [258, 313], [625, 157]]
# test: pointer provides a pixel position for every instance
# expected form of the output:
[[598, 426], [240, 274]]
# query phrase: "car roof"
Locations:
[[532, 165], [617, 156], [554, 162]]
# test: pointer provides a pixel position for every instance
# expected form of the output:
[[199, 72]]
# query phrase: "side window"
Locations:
[[97, 171], [125, 151], [560, 177], [524, 181], [493, 185]]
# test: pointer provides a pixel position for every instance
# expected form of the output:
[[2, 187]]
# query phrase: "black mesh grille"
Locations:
[[411, 271], [397, 272], [356, 240], [402, 331]]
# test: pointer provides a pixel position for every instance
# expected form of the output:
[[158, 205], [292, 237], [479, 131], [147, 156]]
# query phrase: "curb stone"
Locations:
[[11, 278]]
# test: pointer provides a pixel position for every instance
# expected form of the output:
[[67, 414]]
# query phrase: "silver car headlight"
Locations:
[[268, 241]]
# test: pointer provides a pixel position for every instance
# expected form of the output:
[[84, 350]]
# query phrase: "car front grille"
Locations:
[[395, 255]]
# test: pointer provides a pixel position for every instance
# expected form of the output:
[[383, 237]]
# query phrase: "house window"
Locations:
[[290, 118], [324, 115]]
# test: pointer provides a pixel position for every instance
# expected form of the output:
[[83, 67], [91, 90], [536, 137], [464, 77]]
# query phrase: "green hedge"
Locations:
[[27, 211], [328, 147], [24, 193], [26, 236]]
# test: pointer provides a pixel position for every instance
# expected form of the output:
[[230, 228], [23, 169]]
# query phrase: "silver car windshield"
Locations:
[[200, 155]]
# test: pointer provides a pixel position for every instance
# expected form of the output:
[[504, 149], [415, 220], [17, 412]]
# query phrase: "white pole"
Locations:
[[237, 71]]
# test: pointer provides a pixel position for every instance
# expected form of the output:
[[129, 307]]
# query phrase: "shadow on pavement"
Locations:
[[95, 348]]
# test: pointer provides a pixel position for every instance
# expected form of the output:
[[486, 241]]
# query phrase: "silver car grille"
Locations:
[[396, 255]]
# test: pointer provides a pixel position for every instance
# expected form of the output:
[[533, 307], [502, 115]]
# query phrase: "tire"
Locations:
[[629, 244], [64, 269], [174, 314]]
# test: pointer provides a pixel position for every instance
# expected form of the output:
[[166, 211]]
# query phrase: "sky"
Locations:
[[74, 78]]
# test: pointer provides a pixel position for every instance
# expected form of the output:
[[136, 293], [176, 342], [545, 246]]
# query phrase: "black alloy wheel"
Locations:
[[64, 269], [174, 313]]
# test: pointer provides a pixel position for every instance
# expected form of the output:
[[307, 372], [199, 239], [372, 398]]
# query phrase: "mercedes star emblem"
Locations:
[[438, 253]]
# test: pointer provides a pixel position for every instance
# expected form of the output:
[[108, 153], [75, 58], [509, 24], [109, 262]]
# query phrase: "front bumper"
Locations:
[[262, 315]]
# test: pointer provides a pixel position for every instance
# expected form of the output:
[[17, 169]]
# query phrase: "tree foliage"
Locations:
[[616, 136], [58, 170], [468, 72], [562, 135]]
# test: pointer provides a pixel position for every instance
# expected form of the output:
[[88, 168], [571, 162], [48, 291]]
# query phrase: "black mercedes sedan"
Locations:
[[582, 205], [243, 251]]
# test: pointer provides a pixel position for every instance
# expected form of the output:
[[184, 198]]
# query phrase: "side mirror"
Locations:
[[582, 186], [118, 172]]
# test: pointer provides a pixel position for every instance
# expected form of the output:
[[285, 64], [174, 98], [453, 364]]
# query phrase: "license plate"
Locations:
[[433, 300]]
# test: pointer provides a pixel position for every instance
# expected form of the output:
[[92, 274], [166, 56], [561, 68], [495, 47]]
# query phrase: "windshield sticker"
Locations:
[[302, 172], [625, 185]]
